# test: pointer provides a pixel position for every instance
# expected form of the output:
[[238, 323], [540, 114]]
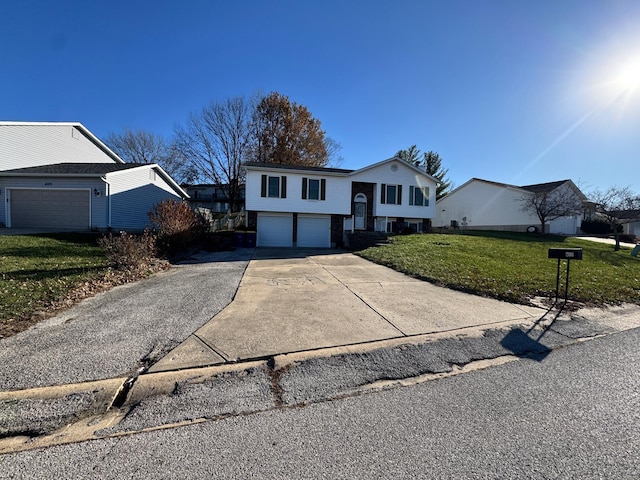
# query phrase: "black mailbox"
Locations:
[[566, 253]]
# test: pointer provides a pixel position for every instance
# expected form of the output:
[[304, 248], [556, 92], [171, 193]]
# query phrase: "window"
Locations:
[[419, 196], [275, 187], [314, 188], [391, 194]]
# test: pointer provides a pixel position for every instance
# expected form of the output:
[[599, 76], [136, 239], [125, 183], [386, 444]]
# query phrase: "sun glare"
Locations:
[[629, 77]]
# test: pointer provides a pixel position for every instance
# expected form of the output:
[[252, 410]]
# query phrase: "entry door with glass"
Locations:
[[360, 210]]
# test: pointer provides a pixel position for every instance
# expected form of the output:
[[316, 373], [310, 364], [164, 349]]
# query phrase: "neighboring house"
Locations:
[[630, 227], [299, 206], [60, 176], [485, 205], [213, 197]]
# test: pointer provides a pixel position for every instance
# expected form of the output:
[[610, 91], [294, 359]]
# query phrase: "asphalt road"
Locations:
[[116, 332], [573, 414]]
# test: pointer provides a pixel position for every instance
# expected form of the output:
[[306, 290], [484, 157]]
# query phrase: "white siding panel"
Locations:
[[398, 173], [338, 192], [134, 192], [34, 145]]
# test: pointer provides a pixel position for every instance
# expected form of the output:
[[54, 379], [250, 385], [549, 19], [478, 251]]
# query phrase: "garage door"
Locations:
[[56, 209], [314, 231], [275, 230]]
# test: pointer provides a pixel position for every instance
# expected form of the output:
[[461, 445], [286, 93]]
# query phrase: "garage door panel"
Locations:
[[41, 208], [314, 231], [275, 230]]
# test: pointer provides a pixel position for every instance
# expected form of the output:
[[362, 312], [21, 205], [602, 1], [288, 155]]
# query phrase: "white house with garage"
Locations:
[[291, 205], [60, 176], [486, 205]]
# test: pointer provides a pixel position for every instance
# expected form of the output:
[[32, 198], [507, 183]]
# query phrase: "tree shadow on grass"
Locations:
[[48, 274]]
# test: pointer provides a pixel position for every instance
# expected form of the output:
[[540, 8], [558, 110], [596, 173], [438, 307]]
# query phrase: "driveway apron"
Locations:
[[295, 300]]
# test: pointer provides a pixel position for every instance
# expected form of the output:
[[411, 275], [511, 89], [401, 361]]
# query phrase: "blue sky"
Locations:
[[507, 90]]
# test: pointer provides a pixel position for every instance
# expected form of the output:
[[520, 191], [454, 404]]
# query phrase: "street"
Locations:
[[574, 414]]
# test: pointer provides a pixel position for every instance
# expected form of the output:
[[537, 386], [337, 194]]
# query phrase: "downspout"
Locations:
[[108, 194]]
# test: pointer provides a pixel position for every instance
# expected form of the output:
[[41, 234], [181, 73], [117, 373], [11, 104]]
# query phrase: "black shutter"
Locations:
[[399, 194], [263, 187], [283, 191], [383, 193], [304, 188], [411, 193], [323, 189]]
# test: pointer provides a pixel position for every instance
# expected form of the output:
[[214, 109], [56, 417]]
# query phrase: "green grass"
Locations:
[[37, 269], [512, 266]]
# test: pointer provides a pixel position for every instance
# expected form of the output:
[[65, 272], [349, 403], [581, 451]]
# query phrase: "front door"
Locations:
[[361, 215]]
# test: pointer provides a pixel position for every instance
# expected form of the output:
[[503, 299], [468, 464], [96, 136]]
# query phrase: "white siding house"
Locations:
[[76, 184], [316, 207], [485, 205]]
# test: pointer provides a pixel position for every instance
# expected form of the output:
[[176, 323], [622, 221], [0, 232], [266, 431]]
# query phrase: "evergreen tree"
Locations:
[[431, 163]]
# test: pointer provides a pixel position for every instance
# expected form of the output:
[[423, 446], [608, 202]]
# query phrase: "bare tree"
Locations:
[[215, 142], [140, 146], [617, 206], [333, 152], [552, 203]]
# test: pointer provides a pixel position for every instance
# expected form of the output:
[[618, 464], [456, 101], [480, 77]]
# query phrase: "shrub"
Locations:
[[595, 226], [178, 226], [127, 251]]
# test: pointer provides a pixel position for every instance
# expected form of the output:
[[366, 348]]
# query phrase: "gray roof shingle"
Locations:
[[73, 169]]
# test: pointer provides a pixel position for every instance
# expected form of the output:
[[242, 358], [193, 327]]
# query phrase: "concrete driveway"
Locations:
[[296, 300]]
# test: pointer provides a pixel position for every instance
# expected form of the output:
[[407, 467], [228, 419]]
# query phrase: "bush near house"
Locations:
[[178, 227], [129, 251], [595, 226]]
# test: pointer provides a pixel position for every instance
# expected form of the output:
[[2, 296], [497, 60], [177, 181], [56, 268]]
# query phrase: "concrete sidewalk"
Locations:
[[295, 300]]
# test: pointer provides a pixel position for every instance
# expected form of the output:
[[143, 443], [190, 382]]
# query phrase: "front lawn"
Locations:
[[36, 270], [513, 267]]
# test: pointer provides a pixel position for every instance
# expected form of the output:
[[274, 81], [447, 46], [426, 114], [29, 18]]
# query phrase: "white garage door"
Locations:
[[563, 225], [275, 230], [56, 209], [314, 231]]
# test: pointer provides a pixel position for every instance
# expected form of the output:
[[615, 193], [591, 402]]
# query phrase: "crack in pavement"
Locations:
[[294, 380]]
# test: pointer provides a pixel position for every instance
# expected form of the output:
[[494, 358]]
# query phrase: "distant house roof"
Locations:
[[535, 188], [544, 187], [73, 169], [296, 167]]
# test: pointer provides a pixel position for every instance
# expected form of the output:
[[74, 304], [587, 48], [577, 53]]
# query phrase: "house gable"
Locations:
[[29, 144]]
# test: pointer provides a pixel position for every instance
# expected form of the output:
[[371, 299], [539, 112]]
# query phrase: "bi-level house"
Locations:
[[299, 206]]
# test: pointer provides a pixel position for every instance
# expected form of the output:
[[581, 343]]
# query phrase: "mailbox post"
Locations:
[[567, 254]]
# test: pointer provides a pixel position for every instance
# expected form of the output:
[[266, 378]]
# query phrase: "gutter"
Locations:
[[108, 195]]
